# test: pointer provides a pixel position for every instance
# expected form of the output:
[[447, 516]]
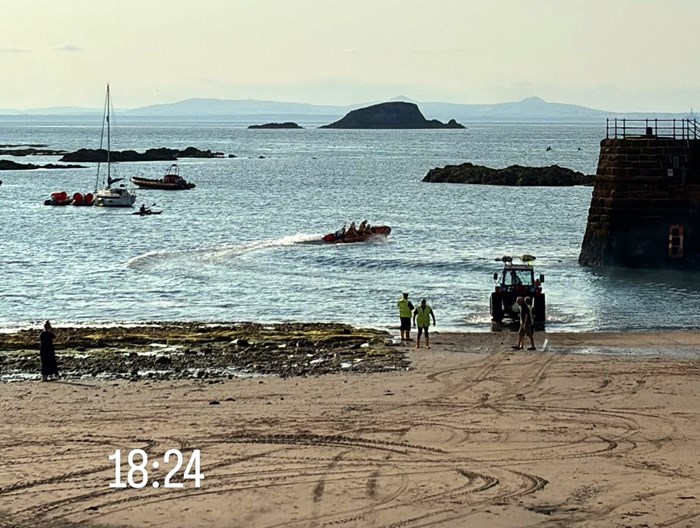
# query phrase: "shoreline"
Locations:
[[474, 328], [216, 351]]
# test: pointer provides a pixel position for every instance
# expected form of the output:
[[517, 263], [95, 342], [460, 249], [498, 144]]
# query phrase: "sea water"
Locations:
[[242, 246]]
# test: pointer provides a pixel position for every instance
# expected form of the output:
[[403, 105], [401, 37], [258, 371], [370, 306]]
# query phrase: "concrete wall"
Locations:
[[644, 185]]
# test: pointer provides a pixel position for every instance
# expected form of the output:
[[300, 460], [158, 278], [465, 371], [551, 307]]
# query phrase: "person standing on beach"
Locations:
[[49, 366], [405, 312], [525, 324], [421, 318]]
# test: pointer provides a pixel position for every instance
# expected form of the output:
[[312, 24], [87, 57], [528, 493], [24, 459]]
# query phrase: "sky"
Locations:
[[615, 55]]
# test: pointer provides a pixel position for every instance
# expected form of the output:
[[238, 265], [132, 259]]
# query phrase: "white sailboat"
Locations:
[[107, 195]]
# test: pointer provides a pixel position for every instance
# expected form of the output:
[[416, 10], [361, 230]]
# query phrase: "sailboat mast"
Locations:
[[109, 141], [102, 138]]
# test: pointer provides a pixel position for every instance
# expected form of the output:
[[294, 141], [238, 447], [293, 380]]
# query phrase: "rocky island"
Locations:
[[156, 154], [287, 124], [393, 115], [515, 175], [13, 165], [29, 150]]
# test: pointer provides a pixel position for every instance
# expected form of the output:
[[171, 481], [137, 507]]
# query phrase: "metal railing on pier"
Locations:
[[620, 128]]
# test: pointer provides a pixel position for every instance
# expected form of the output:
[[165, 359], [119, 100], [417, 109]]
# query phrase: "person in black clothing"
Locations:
[[49, 366]]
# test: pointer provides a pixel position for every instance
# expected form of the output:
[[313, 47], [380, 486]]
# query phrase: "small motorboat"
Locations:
[[343, 237], [172, 181], [59, 198]]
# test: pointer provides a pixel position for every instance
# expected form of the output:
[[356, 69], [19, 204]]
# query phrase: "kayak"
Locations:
[[147, 213], [374, 232]]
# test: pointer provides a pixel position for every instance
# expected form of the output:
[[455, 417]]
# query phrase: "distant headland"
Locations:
[[516, 175], [392, 115], [287, 124]]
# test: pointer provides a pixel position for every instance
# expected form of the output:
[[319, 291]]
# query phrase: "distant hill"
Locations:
[[532, 109], [207, 107]]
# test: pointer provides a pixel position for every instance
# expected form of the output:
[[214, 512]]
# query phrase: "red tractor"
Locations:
[[517, 280]]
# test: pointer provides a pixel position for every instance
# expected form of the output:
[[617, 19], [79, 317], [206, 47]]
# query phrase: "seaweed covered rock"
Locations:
[[13, 165], [198, 350], [517, 175], [155, 154]]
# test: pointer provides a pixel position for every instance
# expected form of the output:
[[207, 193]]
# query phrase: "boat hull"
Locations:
[[146, 183], [374, 232], [119, 198]]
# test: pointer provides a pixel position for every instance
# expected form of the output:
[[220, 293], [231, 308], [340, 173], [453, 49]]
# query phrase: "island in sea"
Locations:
[[287, 124], [516, 175], [153, 154], [393, 115], [13, 165]]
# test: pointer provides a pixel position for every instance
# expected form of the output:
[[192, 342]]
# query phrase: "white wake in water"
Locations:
[[216, 254]]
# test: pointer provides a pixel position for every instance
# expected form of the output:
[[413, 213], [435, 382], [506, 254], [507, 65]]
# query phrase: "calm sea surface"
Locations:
[[237, 247]]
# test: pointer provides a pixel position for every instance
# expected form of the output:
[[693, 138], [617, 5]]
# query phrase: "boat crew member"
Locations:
[[363, 227], [352, 230], [421, 318], [405, 311]]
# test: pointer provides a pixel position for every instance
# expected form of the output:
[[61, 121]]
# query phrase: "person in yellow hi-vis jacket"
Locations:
[[405, 311], [421, 319]]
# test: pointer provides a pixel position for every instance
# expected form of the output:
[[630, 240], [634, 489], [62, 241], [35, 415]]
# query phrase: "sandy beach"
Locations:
[[599, 430]]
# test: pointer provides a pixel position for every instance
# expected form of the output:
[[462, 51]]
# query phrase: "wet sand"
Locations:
[[474, 434]]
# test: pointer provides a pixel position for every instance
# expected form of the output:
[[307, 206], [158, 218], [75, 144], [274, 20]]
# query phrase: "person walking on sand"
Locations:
[[405, 311], [525, 324], [49, 366], [421, 317]]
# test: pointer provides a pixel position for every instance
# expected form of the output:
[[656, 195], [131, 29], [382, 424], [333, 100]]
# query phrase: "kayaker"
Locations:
[[421, 318], [143, 209], [405, 311]]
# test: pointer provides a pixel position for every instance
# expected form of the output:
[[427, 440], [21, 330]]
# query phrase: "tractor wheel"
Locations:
[[538, 312], [496, 308]]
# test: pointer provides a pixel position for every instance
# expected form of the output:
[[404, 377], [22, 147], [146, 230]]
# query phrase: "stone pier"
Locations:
[[645, 208]]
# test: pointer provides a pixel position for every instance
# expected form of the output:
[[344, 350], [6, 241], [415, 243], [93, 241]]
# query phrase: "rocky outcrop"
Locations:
[[157, 154], [394, 115], [287, 124], [13, 165], [206, 351], [31, 151], [553, 175]]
